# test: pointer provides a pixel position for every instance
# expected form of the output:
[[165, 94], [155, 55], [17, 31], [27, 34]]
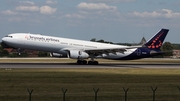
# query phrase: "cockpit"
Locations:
[[9, 36]]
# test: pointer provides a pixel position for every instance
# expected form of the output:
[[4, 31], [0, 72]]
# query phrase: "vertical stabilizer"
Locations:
[[157, 40]]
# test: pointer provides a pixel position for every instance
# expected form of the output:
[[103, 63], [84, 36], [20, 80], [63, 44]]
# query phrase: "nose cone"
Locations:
[[7, 40], [4, 39], [4, 43]]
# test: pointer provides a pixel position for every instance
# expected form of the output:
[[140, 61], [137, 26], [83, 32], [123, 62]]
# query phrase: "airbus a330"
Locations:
[[84, 50]]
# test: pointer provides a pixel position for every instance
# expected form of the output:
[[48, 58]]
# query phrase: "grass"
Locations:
[[47, 84]]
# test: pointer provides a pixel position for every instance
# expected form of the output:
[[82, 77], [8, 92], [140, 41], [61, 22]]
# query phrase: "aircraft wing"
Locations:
[[99, 51]]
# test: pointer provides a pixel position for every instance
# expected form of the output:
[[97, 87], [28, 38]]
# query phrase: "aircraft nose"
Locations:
[[4, 39], [3, 43]]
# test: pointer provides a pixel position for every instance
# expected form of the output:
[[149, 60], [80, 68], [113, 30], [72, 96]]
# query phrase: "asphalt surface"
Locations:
[[73, 65]]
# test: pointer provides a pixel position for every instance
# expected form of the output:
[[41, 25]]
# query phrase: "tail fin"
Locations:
[[157, 40]]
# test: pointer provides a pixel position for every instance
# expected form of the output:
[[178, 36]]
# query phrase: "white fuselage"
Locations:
[[60, 45]]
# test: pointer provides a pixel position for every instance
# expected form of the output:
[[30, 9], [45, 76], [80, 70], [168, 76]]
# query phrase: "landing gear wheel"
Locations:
[[93, 63], [96, 62], [90, 62], [81, 62]]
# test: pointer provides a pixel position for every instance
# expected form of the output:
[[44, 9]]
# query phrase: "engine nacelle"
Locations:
[[56, 55], [76, 54]]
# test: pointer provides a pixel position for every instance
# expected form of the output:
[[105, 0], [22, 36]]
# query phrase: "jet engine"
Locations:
[[76, 54], [56, 55]]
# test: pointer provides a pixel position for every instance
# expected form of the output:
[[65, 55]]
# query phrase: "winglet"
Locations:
[[157, 40]]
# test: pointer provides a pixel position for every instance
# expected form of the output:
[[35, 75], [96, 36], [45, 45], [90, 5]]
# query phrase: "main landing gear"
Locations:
[[93, 63], [84, 62]]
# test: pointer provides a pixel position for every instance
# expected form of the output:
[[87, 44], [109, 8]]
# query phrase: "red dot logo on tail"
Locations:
[[155, 43]]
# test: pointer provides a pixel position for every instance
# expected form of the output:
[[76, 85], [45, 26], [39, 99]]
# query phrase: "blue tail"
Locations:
[[157, 40], [150, 48]]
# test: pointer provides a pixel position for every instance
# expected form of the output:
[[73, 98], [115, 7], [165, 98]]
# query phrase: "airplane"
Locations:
[[83, 50]]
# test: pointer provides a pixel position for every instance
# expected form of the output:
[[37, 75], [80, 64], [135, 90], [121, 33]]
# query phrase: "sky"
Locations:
[[118, 21]]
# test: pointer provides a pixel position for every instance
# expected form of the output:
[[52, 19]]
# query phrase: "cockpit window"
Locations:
[[8, 36]]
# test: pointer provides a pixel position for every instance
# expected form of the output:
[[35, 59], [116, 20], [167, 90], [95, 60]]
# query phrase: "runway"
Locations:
[[73, 65]]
